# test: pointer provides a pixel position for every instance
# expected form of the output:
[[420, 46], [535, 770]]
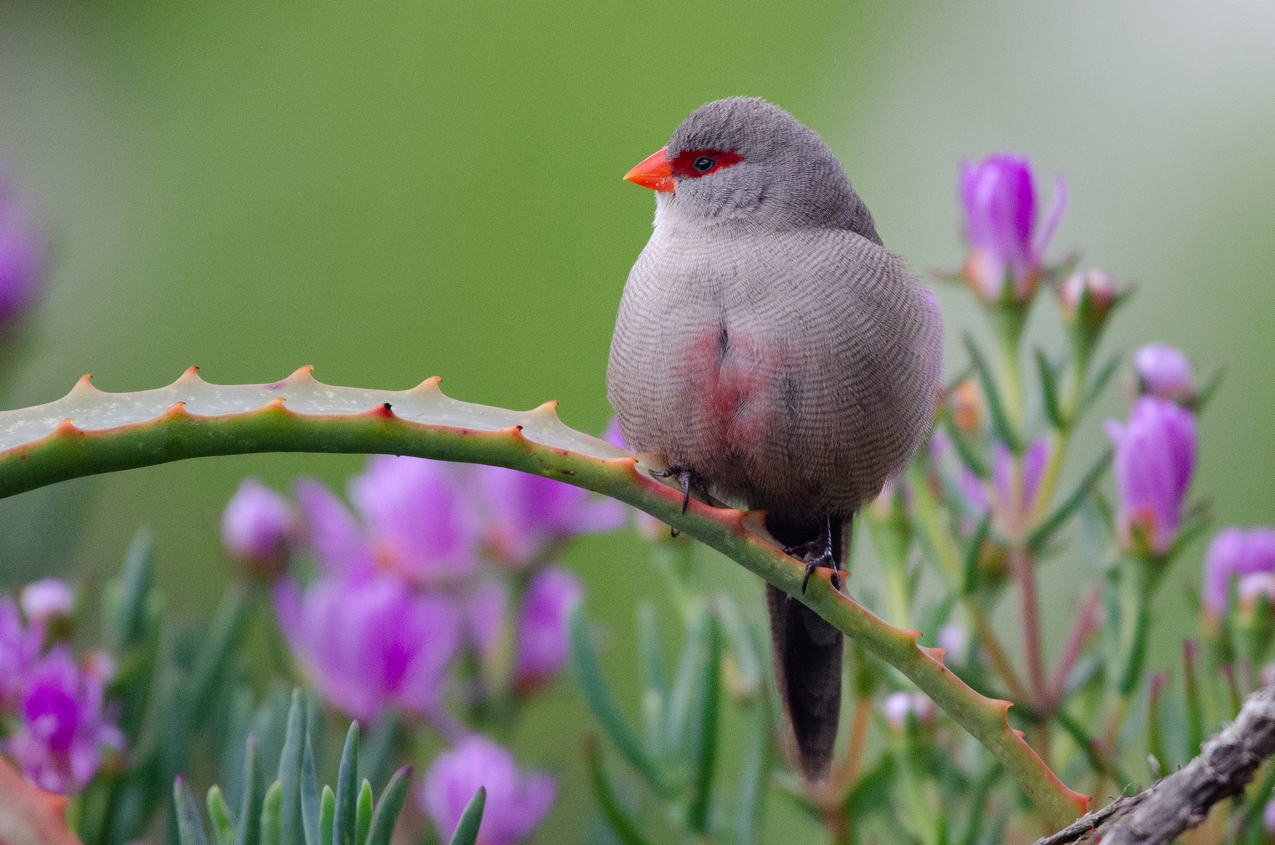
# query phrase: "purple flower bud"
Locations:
[[1268, 817], [369, 642], [1006, 248], [1235, 552], [1164, 371], [20, 647], [899, 705], [419, 517], [1154, 461], [22, 253], [1101, 290], [528, 514], [516, 803], [954, 640], [64, 723], [46, 600], [257, 526], [542, 647]]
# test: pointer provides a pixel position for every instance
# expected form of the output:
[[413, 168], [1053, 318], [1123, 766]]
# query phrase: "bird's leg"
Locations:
[[688, 478], [818, 552]]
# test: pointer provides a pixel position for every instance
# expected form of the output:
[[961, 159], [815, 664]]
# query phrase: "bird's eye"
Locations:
[[704, 163]]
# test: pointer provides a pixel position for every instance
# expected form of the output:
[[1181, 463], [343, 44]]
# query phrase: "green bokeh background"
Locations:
[[390, 191]]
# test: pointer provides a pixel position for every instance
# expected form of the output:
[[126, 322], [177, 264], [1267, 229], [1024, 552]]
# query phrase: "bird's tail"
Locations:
[[806, 653]]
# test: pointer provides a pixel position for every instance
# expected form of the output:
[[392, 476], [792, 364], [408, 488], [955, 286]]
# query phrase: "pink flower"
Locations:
[[516, 803], [1006, 248], [1164, 371], [23, 258], [20, 647], [369, 642], [1236, 553], [1154, 462], [542, 647], [257, 525], [46, 600], [527, 515], [65, 723]]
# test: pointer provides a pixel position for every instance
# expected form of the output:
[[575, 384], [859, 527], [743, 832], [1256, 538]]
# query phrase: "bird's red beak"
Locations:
[[655, 172]]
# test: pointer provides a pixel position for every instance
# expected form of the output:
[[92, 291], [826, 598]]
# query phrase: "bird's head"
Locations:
[[743, 162]]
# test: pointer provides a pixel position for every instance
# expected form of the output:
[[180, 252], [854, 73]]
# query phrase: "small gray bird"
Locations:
[[775, 355]]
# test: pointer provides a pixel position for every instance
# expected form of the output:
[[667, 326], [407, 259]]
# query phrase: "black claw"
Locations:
[[687, 478], [816, 553], [673, 532], [811, 566]]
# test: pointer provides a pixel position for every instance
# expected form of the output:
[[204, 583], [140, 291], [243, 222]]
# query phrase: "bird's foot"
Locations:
[[816, 553], [688, 478]]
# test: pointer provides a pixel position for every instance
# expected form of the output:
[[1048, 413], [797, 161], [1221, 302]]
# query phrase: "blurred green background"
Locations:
[[390, 191]]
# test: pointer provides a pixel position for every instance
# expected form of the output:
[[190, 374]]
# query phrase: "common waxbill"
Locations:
[[773, 353]]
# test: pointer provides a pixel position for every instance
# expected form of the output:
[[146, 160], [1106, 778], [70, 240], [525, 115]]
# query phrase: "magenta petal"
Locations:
[[1165, 371], [1052, 219], [257, 522], [1154, 462], [338, 541], [516, 803], [542, 642], [1235, 552]]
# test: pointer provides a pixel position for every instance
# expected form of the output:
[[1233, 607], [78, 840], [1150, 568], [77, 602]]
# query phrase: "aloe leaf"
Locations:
[[310, 794], [190, 827], [290, 830], [389, 806], [466, 832], [1000, 418], [597, 694], [710, 696], [1049, 389], [363, 813], [222, 820], [625, 829], [90, 432], [346, 789], [270, 810]]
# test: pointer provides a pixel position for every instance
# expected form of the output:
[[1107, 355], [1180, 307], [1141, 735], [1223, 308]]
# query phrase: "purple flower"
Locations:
[[369, 642], [1101, 290], [1155, 457], [528, 514], [1164, 371], [22, 253], [419, 516], [541, 647], [257, 525], [46, 600], [516, 803], [19, 649], [64, 723], [1237, 553], [1011, 495], [1006, 248], [897, 706]]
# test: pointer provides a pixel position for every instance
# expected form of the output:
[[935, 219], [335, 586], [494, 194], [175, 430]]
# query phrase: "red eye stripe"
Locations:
[[684, 164]]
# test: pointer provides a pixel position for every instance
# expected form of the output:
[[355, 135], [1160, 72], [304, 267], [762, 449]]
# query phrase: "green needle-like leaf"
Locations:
[[1049, 389], [470, 820], [969, 564], [250, 803], [270, 809], [347, 789], [654, 682], [190, 827], [624, 827], [597, 694], [710, 696], [327, 816], [1000, 418], [1098, 384], [222, 820], [310, 794], [363, 813], [1039, 538], [290, 823], [388, 808], [752, 778], [227, 629], [687, 682]]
